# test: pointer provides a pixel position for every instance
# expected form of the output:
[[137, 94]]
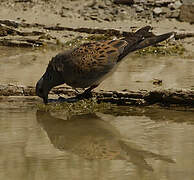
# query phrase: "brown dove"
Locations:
[[89, 64]]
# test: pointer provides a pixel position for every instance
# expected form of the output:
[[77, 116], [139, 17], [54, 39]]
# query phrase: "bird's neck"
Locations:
[[56, 79]]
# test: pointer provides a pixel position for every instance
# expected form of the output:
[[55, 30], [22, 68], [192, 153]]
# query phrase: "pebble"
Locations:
[[175, 14], [163, 2], [177, 4], [138, 8], [157, 10], [188, 2]]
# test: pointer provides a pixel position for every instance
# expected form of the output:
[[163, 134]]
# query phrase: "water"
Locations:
[[141, 144], [127, 143], [23, 66]]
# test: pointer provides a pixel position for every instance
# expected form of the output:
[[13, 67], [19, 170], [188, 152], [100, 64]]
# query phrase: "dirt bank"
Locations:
[[36, 23]]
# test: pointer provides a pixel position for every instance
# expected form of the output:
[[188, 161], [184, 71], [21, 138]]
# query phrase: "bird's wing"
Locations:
[[97, 56], [89, 57], [101, 56]]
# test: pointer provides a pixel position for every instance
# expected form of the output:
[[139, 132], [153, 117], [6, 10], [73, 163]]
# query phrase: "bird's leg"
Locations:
[[76, 90], [87, 93], [90, 89]]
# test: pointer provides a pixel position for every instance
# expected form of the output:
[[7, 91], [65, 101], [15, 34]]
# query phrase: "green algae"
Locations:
[[165, 49], [80, 107]]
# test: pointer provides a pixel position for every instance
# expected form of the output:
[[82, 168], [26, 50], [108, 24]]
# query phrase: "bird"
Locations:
[[87, 65]]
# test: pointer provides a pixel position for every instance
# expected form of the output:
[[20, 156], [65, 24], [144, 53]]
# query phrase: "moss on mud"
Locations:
[[80, 107], [166, 49]]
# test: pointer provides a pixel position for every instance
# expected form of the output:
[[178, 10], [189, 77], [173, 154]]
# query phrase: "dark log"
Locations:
[[169, 97]]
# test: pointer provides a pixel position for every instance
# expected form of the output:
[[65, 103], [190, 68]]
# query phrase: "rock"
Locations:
[[163, 2], [175, 14], [157, 10], [108, 19], [187, 13], [138, 8], [10, 23], [4, 31], [188, 2], [166, 11], [127, 2], [150, 2], [101, 6], [171, 6], [157, 82], [139, 1], [172, 13], [177, 4]]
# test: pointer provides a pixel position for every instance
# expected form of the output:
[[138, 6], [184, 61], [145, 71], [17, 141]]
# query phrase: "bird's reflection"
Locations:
[[89, 137]]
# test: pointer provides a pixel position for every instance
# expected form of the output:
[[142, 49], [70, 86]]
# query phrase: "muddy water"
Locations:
[[23, 66], [133, 144], [128, 143]]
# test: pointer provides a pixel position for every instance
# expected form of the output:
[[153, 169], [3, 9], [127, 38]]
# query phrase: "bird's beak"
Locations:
[[45, 99]]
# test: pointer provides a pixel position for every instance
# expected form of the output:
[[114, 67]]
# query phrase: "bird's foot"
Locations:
[[69, 100], [85, 95], [52, 100]]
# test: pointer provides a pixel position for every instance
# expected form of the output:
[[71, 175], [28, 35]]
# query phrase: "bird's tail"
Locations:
[[142, 38], [150, 41]]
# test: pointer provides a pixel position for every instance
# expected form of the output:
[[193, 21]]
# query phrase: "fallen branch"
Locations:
[[125, 97]]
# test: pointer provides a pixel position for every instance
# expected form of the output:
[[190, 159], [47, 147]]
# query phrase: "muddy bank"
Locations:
[[44, 23], [124, 98], [26, 37]]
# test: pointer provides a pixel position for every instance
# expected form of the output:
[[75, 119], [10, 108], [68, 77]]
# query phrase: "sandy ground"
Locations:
[[70, 13]]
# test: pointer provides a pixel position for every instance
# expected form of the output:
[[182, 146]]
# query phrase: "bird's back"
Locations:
[[89, 63]]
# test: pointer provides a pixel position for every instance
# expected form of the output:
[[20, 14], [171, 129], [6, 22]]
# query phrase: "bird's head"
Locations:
[[43, 88], [53, 76], [50, 79]]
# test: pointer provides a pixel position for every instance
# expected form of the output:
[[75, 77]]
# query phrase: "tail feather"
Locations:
[[142, 38], [144, 32], [151, 41]]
